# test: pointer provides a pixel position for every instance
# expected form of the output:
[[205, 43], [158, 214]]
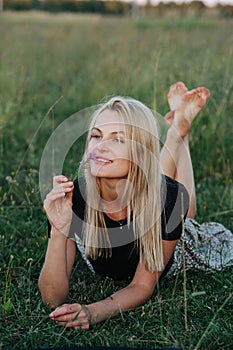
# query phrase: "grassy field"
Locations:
[[77, 60]]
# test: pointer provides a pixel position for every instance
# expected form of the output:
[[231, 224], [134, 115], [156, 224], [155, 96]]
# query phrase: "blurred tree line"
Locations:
[[196, 7], [94, 6]]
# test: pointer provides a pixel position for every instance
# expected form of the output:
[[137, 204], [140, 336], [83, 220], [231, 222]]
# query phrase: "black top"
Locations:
[[125, 254]]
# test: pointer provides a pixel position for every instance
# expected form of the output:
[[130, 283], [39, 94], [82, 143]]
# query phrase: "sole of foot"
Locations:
[[175, 94], [191, 104]]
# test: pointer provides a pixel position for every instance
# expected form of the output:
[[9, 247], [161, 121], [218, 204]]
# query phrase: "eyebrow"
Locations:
[[112, 133]]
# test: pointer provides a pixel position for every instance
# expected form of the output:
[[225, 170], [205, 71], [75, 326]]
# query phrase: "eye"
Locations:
[[95, 137], [118, 140]]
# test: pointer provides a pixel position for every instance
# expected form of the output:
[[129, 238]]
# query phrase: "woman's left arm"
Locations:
[[136, 293]]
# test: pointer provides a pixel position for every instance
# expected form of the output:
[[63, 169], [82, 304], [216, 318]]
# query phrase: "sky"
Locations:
[[209, 3]]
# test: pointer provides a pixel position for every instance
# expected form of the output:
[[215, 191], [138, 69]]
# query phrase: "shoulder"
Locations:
[[170, 183], [175, 204]]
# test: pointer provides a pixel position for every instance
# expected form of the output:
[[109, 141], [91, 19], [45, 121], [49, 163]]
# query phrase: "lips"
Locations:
[[103, 160]]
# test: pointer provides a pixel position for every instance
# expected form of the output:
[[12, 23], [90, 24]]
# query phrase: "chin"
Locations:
[[109, 175], [112, 173]]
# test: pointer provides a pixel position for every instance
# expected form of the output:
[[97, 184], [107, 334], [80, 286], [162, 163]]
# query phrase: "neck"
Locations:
[[117, 215], [112, 191]]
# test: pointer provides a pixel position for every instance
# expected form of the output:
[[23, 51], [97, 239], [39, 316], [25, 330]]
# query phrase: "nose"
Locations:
[[103, 145]]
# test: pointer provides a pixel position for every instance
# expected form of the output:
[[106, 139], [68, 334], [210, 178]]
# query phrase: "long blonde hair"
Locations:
[[143, 188]]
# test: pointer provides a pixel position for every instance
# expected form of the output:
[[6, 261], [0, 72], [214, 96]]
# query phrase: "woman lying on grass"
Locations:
[[123, 215]]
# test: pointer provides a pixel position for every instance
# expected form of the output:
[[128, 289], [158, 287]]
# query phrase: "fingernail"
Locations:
[[52, 314]]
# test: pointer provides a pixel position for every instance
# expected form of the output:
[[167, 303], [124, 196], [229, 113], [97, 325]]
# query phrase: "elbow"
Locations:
[[148, 294], [144, 292], [52, 301], [52, 296]]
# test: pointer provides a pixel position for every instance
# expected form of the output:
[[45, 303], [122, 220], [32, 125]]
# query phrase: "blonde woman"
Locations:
[[124, 216]]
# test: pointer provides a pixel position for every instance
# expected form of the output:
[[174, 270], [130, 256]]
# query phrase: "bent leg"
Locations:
[[175, 155], [184, 174], [176, 163]]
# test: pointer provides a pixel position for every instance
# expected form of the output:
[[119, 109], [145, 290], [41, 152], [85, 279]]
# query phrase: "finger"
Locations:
[[77, 325], [51, 198], [79, 317], [58, 179], [66, 309], [63, 186], [65, 318], [69, 196], [74, 318], [59, 191]]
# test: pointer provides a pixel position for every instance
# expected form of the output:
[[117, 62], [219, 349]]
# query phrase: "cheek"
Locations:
[[122, 164], [123, 152], [125, 156], [91, 145]]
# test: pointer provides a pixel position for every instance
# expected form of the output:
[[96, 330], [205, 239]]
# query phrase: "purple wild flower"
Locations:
[[91, 155], [85, 163]]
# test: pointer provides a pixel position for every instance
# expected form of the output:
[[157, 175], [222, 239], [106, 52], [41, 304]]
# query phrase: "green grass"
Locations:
[[83, 59]]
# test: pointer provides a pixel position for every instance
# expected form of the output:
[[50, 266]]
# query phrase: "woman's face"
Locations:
[[109, 144]]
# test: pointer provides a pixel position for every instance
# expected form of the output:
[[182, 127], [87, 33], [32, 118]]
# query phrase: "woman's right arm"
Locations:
[[55, 275]]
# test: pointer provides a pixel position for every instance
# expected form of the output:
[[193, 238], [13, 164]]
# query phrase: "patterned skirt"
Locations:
[[207, 247]]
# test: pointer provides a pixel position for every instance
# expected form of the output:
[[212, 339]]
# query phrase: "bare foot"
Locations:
[[175, 94], [169, 118], [191, 104]]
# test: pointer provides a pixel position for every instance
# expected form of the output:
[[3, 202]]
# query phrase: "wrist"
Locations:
[[173, 136], [88, 313], [59, 233], [103, 309]]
